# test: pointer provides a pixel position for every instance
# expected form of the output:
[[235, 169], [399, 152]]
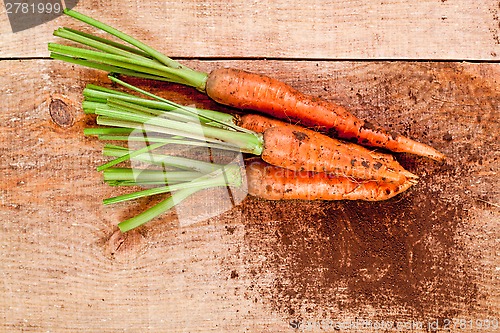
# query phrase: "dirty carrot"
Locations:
[[258, 92], [233, 87], [274, 183], [295, 148], [260, 124], [313, 151]]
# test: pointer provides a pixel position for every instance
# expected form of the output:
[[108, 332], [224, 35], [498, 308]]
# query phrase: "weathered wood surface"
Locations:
[[431, 253], [396, 29]]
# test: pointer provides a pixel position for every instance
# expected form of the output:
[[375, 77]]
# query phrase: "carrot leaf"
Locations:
[[139, 59]]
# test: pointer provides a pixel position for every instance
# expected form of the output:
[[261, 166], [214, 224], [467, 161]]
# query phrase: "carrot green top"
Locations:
[[136, 59], [153, 123]]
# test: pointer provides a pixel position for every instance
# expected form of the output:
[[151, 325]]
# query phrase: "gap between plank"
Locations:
[[472, 61]]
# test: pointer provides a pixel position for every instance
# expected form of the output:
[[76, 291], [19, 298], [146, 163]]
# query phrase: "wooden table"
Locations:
[[426, 259]]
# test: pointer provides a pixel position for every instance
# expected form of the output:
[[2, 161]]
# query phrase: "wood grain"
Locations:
[[302, 29], [261, 266]]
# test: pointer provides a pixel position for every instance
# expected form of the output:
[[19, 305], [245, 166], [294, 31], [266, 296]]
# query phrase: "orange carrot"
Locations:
[[257, 92], [312, 151], [274, 183], [261, 124]]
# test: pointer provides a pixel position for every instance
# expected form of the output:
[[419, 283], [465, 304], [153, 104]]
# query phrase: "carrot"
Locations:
[[261, 124], [273, 183], [233, 87], [258, 92], [312, 151]]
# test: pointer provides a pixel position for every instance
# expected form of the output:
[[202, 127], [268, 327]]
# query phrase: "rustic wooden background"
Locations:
[[424, 258]]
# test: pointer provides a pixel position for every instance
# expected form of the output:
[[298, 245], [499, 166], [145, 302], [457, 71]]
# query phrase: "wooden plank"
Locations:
[[263, 266], [396, 29]]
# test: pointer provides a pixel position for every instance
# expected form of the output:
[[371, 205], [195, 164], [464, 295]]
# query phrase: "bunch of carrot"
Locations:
[[294, 162]]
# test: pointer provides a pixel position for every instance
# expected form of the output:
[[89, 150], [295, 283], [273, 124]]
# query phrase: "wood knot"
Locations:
[[124, 247], [60, 113]]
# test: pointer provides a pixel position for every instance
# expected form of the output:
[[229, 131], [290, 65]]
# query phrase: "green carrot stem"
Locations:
[[201, 183], [135, 183], [118, 104], [213, 118], [158, 190], [148, 128], [145, 175], [107, 131], [174, 114], [106, 41], [157, 210], [101, 45], [173, 140], [128, 113], [166, 160], [230, 176], [126, 157], [107, 68], [192, 78], [95, 100], [112, 92], [99, 25], [216, 116], [246, 142], [143, 66], [90, 106], [124, 149], [136, 126], [92, 91]]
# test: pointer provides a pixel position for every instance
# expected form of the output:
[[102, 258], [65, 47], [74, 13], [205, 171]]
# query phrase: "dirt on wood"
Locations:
[[409, 256]]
